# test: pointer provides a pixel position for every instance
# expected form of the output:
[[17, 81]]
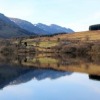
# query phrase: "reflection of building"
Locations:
[[94, 77]]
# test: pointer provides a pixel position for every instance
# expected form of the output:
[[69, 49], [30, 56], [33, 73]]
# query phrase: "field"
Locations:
[[77, 42], [43, 44], [52, 41], [92, 35]]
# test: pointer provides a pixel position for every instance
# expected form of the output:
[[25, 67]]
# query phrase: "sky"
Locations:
[[75, 14]]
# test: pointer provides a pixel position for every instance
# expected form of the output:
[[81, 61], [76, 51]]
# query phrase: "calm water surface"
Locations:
[[27, 78]]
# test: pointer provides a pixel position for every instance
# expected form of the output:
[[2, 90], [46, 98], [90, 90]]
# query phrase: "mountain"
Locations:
[[58, 29], [41, 29], [7, 20], [53, 28], [14, 27], [9, 29], [28, 26]]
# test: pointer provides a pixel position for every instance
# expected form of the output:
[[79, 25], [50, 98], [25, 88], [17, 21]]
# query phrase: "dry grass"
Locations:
[[45, 44], [93, 35]]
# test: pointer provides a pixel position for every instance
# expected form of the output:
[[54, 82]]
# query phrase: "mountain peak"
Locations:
[[40, 28], [2, 14], [53, 28], [10, 29]]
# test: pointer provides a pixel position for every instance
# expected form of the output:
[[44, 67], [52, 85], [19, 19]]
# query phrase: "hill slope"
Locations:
[[53, 28], [92, 35], [9, 29], [40, 29], [28, 26]]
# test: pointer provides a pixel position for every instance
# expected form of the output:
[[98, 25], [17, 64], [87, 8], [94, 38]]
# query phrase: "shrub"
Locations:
[[7, 50], [96, 48], [68, 49]]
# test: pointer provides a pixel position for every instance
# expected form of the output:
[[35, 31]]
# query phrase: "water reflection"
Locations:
[[16, 69], [39, 74]]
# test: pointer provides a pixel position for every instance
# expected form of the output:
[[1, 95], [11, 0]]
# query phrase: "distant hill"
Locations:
[[52, 29], [7, 20], [92, 35], [14, 27], [9, 29], [41, 29], [28, 26]]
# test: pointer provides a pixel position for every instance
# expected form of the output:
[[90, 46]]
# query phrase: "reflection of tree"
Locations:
[[86, 64], [58, 64], [37, 42], [38, 62], [48, 64]]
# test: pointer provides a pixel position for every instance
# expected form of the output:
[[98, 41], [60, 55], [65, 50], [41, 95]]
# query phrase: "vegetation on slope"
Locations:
[[77, 43]]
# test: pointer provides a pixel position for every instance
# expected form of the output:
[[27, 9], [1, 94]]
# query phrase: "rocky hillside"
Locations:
[[9, 29], [41, 29], [14, 27], [28, 26], [53, 28]]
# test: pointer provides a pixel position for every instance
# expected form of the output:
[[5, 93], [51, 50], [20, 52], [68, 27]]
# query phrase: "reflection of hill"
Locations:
[[22, 68], [89, 65], [14, 74], [40, 74], [9, 73]]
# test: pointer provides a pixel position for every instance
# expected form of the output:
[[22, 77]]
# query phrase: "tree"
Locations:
[[25, 43], [58, 39]]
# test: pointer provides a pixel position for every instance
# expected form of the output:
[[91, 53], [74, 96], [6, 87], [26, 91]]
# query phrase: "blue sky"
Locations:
[[75, 14]]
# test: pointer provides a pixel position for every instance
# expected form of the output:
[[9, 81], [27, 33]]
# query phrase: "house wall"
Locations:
[[94, 27]]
